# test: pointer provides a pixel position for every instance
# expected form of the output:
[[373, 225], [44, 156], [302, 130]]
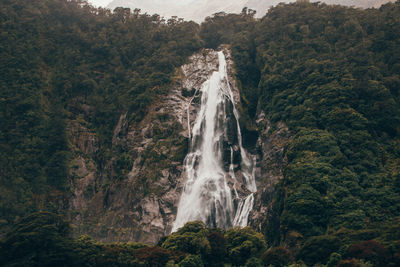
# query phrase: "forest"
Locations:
[[331, 73]]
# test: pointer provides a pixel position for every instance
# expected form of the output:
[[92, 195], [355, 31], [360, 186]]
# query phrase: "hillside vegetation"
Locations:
[[331, 73], [56, 56]]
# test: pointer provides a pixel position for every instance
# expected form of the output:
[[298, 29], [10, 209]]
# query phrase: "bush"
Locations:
[[156, 256], [306, 209], [277, 257], [317, 249], [218, 249], [349, 263], [395, 260], [192, 227], [254, 262], [191, 238], [191, 261], [334, 259], [371, 250], [242, 244], [39, 239]]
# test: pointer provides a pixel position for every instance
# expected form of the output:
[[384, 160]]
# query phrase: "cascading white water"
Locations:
[[206, 195]]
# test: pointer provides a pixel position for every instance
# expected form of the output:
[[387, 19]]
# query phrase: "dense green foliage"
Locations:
[[277, 256], [41, 239], [330, 73], [243, 244], [56, 56]]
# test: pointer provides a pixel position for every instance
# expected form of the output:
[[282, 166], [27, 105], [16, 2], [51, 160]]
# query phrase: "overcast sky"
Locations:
[[98, 3], [104, 3]]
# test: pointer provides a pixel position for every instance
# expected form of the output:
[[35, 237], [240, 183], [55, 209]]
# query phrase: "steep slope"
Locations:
[[69, 74], [143, 205], [329, 74], [94, 126]]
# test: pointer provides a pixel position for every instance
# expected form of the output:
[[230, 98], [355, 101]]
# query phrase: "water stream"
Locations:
[[210, 192]]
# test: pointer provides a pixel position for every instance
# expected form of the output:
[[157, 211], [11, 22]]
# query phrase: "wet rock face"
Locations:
[[271, 159], [134, 194], [83, 139], [82, 167], [139, 202], [185, 96]]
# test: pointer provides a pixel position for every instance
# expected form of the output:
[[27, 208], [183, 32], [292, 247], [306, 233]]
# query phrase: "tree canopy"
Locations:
[[328, 72]]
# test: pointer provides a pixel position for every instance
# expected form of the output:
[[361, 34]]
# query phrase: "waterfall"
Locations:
[[214, 140]]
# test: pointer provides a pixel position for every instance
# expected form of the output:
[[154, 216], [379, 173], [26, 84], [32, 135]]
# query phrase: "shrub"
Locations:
[[155, 256], [192, 227], [191, 238], [334, 259], [218, 249], [349, 263], [277, 257], [191, 261], [395, 260], [242, 244], [371, 250], [317, 249], [254, 262], [40, 238]]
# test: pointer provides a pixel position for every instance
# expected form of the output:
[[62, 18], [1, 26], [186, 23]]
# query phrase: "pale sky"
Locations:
[[104, 3], [97, 3]]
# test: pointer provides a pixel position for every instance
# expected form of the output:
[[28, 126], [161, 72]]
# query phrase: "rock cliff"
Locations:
[[271, 160], [133, 196]]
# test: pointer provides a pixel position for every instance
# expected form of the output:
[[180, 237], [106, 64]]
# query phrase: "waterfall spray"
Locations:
[[206, 195]]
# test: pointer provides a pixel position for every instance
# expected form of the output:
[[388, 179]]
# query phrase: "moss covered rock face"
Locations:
[[135, 196]]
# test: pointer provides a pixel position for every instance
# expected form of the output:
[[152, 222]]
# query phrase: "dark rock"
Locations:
[[140, 203]]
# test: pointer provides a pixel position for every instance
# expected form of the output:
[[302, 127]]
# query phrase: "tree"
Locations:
[[317, 249], [242, 244], [371, 251], [39, 239], [277, 257], [191, 238]]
